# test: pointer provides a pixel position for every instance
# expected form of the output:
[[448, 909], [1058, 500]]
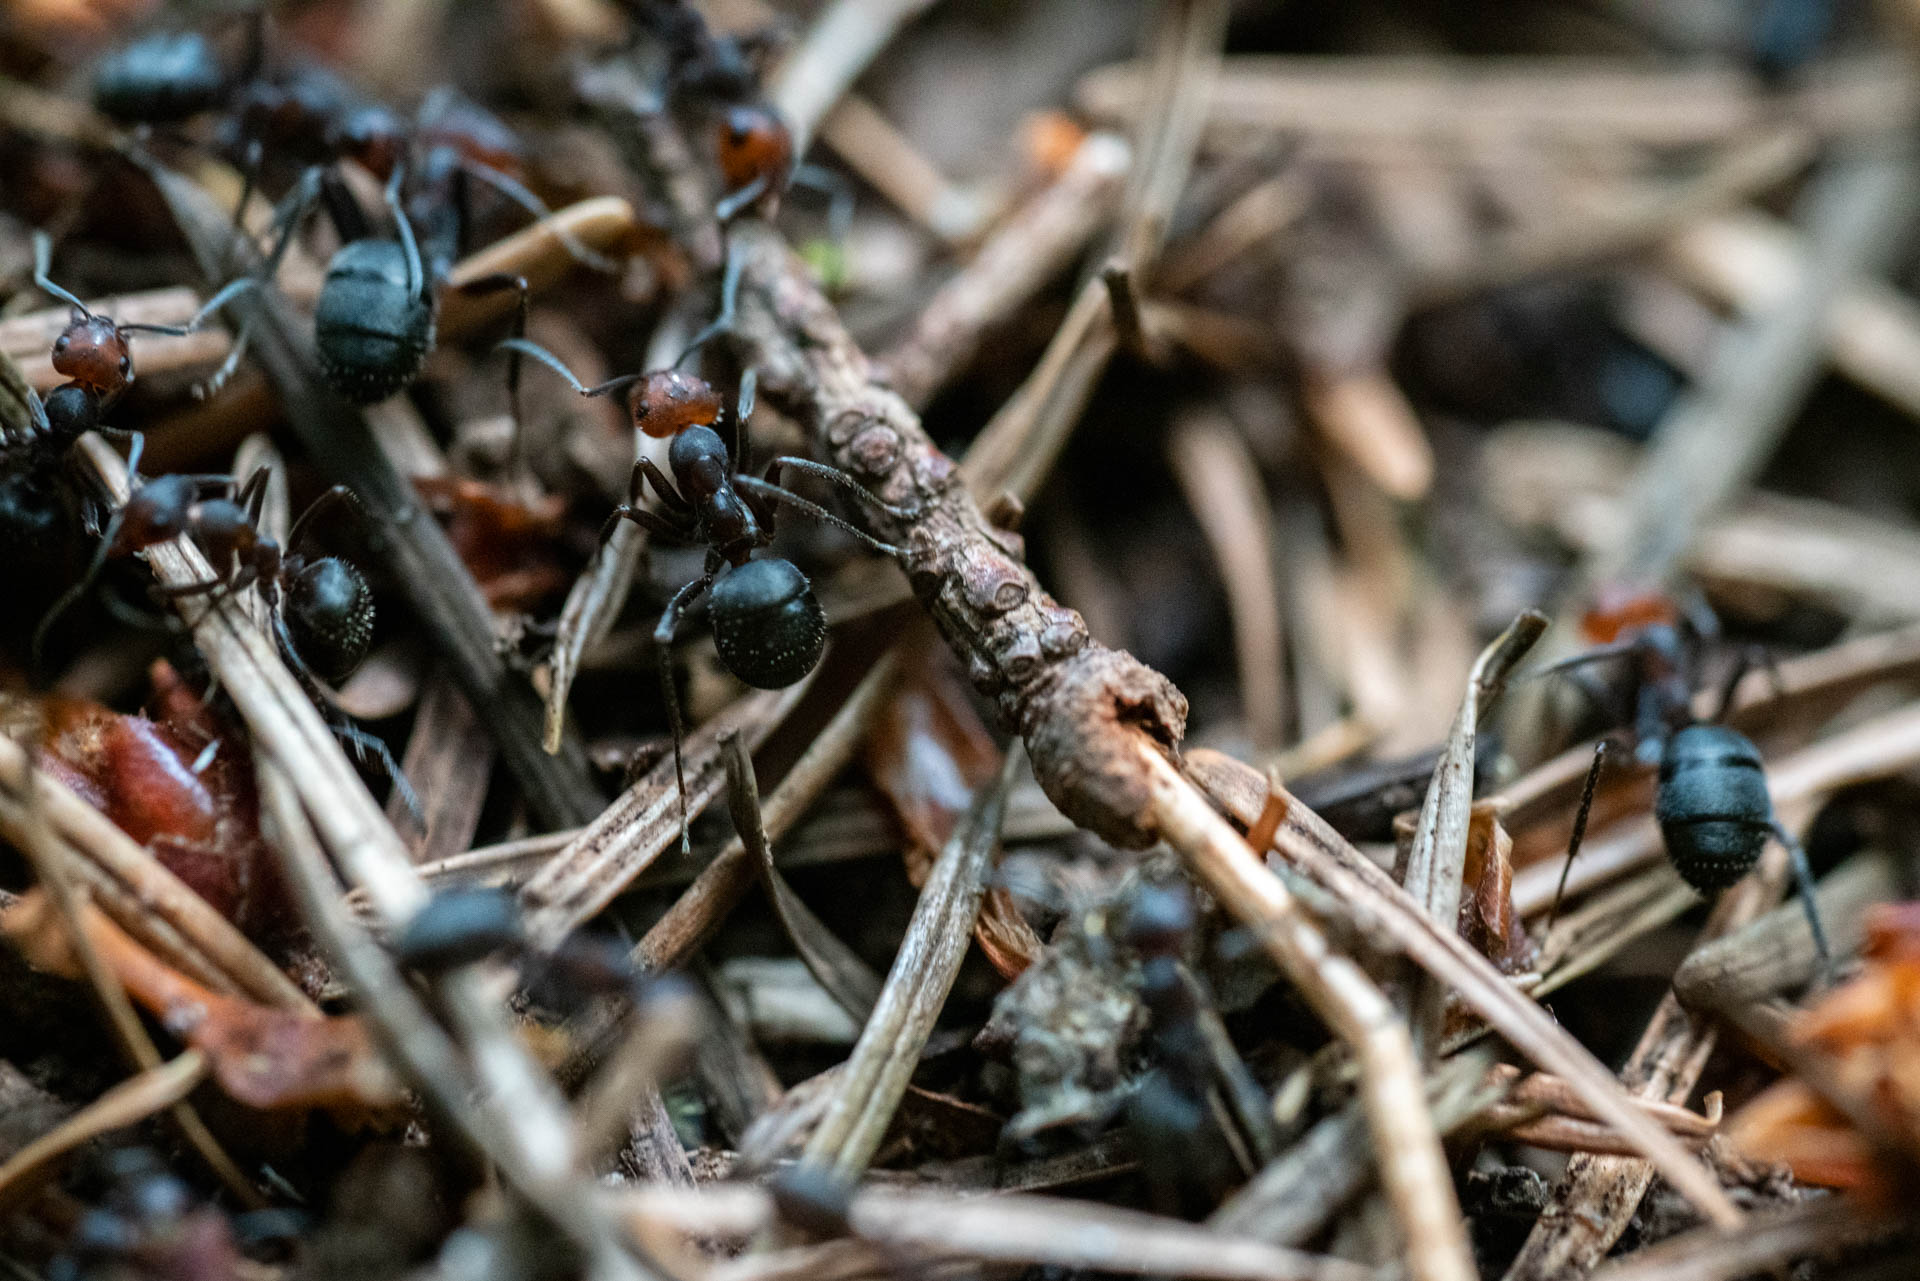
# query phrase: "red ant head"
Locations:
[[754, 143], [92, 351], [372, 135], [1619, 610], [669, 402]]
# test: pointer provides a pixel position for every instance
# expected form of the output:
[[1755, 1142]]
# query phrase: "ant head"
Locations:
[[754, 143], [155, 512], [1619, 610], [329, 615], [768, 627], [92, 351], [372, 135], [698, 459], [668, 402]]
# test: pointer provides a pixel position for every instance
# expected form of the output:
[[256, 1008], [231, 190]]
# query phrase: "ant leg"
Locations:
[[528, 347], [368, 748], [253, 494], [729, 300], [663, 645], [1598, 654], [514, 191], [814, 510], [68, 598], [42, 260], [1803, 880], [290, 213], [1579, 834], [136, 447], [742, 411], [494, 283], [416, 271], [333, 497], [653, 522], [647, 469], [730, 207], [839, 197], [835, 476]]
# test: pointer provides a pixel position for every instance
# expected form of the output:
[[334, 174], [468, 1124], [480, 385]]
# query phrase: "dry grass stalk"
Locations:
[[128, 1103], [1462, 102], [1412, 1167], [1015, 1229], [1716, 437], [604, 857], [1437, 859], [876, 1073], [885, 159], [1224, 491], [1598, 1196], [449, 761], [840, 44], [138, 893], [1026, 251], [1817, 1226], [1382, 910], [1364, 415]]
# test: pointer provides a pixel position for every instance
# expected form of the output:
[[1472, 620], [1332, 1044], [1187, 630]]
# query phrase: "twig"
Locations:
[[1007, 1229], [609, 852], [196, 938], [1032, 247], [1448, 102], [1717, 437], [1815, 1226], [1436, 862], [876, 1074], [838, 47], [414, 546], [1412, 1167], [128, 1103], [1383, 911], [1363, 413], [1223, 489], [882, 156]]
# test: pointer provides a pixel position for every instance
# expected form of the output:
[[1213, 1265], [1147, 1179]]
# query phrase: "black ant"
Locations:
[[1712, 805], [768, 627], [170, 76], [320, 609]]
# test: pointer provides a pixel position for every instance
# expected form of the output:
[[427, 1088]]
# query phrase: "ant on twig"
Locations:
[[1712, 805], [320, 609], [768, 626]]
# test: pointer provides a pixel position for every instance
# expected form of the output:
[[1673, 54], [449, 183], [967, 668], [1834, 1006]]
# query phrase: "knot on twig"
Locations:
[[1081, 727]]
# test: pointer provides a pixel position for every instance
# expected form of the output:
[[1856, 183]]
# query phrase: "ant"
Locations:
[[768, 626], [1711, 804], [320, 609], [170, 76]]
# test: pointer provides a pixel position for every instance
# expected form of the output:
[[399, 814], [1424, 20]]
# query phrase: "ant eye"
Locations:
[[126, 364], [63, 342]]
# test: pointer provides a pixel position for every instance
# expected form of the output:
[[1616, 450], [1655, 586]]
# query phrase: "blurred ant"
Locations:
[[768, 626], [719, 75], [172, 76], [320, 609], [148, 1224], [1712, 806]]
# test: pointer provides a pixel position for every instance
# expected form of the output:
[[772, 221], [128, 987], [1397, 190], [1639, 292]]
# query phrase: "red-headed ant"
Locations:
[[768, 627], [320, 609], [1712, 805]]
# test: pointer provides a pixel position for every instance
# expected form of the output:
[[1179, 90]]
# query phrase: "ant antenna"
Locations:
[[729, 298], [527, 347], [42, 260], [1579, 828], [226, 294], [515, 191]]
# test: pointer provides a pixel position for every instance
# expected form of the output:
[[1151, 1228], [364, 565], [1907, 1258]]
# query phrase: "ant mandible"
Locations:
[[1711, 804], [768, 627]]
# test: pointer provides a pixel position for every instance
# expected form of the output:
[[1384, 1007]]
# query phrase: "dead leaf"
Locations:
[[265, 1058]]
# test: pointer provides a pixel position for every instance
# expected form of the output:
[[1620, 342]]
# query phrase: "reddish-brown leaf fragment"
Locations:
[[928, 752]]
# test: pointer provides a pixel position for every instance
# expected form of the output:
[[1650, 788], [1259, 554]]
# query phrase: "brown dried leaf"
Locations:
[[1487, 918], [928, 752], [265, 1058]]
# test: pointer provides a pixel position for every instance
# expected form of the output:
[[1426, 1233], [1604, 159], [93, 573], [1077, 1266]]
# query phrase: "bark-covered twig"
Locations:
[[1077, 703]]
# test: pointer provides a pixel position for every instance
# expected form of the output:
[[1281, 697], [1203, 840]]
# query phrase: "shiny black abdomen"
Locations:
[[371, 331], [767, 625], [329, 615], [161, 79], [1712, 806]]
